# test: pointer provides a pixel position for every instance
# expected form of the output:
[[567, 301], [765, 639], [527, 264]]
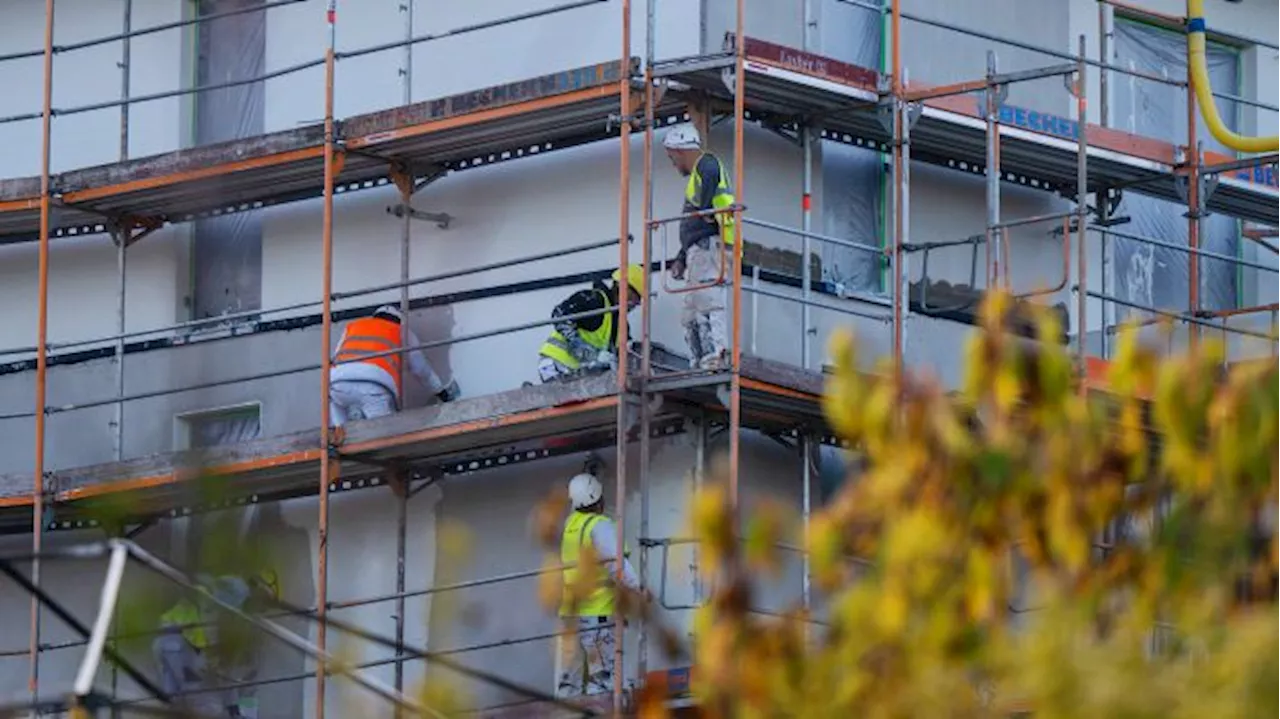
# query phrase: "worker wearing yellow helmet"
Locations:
[[580, 345]]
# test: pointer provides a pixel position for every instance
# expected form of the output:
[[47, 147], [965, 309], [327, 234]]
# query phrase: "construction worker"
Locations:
[[239, 664], [367, 383], [191, 667], [587, 648], [589, 344], [700, 260]]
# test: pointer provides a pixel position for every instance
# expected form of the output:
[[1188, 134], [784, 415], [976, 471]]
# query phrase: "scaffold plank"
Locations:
[[776, 394], [1038, 148], [464, 130]]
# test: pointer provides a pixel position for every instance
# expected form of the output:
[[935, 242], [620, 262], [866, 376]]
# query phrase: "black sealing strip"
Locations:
[[304, 321]]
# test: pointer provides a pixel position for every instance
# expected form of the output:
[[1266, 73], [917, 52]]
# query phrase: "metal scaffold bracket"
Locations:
[[636, 119], [442, 219], [1208, 184], [911, 114], [127, 229]]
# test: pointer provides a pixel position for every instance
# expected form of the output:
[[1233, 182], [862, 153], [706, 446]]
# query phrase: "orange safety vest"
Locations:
[[369, 336]]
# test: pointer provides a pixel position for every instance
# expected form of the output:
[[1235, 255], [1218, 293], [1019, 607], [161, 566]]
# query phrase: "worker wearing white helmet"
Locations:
[[587, 648], [700, 260], [589, 344], [364, 382]]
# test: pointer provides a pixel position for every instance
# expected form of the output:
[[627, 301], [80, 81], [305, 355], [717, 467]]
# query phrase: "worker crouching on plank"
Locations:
[[700, 260], [367, 383], [198, 651], [587, 645], [589, 344]]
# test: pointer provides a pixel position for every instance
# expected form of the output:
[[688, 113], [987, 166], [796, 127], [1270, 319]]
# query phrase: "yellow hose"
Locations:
[[1204, 93]]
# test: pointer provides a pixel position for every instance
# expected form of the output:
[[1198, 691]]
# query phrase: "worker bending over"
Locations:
[[586, 659], [588, 344], [193, 662], [367, 382], [700, 260]]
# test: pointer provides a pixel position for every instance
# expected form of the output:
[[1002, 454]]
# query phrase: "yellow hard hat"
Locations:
[[635, 278]]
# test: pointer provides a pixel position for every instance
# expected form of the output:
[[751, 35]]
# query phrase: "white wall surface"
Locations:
[[85, 77], [504, 211]]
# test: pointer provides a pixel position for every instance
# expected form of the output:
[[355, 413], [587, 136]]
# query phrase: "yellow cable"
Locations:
[[1204, 93]]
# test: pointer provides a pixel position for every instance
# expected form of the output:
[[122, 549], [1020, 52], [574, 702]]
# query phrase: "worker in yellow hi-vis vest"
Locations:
[[193, 664], [701, 260], [586, 659], [589, 344]]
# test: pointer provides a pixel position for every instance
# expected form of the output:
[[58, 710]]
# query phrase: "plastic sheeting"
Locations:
[[217, 429], [1143, 273], [227, 253], [851, 176]]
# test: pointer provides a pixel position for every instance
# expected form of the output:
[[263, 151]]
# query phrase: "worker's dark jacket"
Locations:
[[596, 298]]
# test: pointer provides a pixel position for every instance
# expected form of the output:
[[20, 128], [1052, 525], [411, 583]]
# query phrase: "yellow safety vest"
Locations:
[[722, 199], [187, 615], [557, 347], [577, 533]]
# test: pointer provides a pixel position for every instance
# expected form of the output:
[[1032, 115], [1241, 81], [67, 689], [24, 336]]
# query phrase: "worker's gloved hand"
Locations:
[[676, 268], [450, 392], [607, 359]]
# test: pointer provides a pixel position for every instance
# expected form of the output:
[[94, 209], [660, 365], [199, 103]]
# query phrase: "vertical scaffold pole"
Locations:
[[624, 224], [126, 69], [995, 235], [1193, 212], [326, 331], [739, 143], [646, 367], [1082, 211], [404, 181], [42, 347], [896, 88]]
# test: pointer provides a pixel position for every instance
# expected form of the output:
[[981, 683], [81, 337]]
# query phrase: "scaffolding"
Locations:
[[791, 90]]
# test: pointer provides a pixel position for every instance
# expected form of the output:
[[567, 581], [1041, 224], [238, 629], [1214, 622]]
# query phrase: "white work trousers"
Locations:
[[586, 649], [358, 400], [184, 674], [703, 315]]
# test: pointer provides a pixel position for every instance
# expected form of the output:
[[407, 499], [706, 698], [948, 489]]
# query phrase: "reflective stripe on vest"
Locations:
[[186, 615], [370, 336], [557, 347], [722, 199], [271, 581]]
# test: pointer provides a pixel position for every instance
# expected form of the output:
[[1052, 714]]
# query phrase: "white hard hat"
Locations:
[[682, 137], [585, 490], [390, 311]]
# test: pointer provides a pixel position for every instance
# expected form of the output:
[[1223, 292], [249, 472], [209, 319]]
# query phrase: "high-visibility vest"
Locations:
[[187, 615], [722, 199], [271, 581], [369, 336], [557, 347], [577, 534]]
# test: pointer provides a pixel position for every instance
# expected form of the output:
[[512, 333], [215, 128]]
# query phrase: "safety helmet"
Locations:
[[635, 278], [682, 137], [391, 312], [585, 490]]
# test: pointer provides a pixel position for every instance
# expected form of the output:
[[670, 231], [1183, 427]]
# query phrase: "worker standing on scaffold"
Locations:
[[587, 645], [700, 259]]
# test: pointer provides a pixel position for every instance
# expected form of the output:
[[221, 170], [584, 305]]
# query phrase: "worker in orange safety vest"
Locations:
[[364, 382]]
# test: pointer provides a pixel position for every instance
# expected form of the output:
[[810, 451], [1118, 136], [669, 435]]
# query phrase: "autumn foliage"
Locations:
[[1018, 545]]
